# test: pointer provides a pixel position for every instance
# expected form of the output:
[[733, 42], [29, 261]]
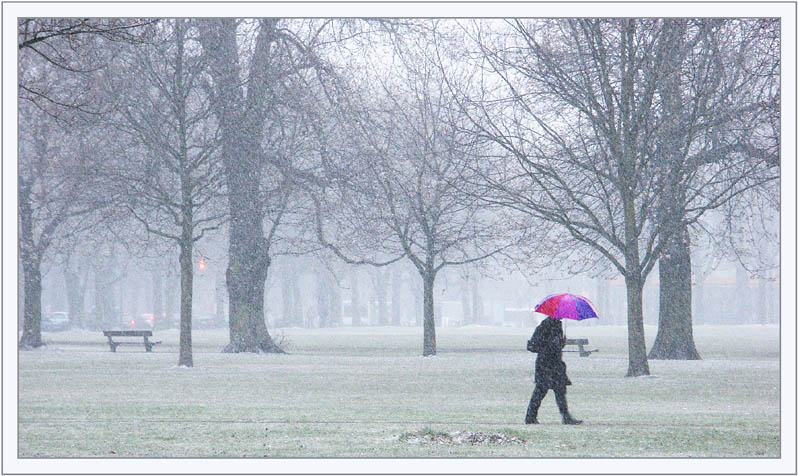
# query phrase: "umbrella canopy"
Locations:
[[566, 306]]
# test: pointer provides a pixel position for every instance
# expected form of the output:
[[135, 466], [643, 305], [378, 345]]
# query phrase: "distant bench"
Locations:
[[580, 343], [145, 334]]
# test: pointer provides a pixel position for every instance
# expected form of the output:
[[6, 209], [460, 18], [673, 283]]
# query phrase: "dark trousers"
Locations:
[[537, 397]]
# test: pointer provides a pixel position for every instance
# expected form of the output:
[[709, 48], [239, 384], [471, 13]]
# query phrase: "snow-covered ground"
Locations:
[[367, 392]]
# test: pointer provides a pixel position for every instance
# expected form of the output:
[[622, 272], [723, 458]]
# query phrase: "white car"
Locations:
[[55, 321]]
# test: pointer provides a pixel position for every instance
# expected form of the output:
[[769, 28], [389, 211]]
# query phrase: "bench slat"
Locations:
[[577, 341], [580, 343], [147, 344], [127, 333]]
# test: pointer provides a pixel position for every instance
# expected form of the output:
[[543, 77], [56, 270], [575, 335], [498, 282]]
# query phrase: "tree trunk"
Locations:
[[287, 297], [241, 119], [355, 299], [246, 285], [121, 285], [742, 299], [381, 292], [31, 269], [675, 326], [701, 270], [371, 310], [396, 295], [249, 261], [112, 301], [104, 316], [465, 300], [97, 311], [418, 298], [336, 319], [628, 179], [266, 288], [75, 288], [296, 300], [158, 314], [638, 363], [170, 303], [674, 339], [246, 273], [430, 347], [322, 299], [185, 358], [32, 320], [477, 306], [218, 290]]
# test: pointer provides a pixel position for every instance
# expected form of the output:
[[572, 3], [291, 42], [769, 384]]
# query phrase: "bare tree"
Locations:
[[407, 197], [719, 89], [582, 110], [59, 195], [249, 90], [169, 169], [572, 110], [77, 47], [240, 111], [396, 294], [74, 262], [57, 192]]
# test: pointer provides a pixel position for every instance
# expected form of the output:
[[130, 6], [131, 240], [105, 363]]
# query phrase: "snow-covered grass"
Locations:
[[355, 392]]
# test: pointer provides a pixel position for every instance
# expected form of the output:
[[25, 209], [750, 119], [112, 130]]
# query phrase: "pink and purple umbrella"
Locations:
[[566, 306]]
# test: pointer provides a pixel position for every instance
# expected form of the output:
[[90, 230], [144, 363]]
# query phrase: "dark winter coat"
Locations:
[[548, 341]]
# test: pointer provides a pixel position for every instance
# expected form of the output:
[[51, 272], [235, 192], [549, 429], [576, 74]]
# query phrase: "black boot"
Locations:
[[567, 419], [562, 404], [532, 414], [534, 404]]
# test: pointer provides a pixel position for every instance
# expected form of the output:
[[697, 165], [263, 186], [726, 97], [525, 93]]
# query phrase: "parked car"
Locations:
[[55, 321], [140, 322]]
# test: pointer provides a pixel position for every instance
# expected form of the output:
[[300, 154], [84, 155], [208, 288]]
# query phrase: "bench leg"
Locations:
[[583, 352], [112, 344], [147, 345]]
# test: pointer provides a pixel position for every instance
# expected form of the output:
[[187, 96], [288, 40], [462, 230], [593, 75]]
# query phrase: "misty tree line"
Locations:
[[302, 292], [111, 286], [607, 145]]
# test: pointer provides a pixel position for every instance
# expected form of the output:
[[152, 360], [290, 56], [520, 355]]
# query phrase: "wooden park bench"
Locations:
[[580, 343], [145, 334]]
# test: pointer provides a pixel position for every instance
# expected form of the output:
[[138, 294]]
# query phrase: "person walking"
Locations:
[[548, 341]]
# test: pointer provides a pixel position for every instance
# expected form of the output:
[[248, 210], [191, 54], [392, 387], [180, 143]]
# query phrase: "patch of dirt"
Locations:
[[460, 437]]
